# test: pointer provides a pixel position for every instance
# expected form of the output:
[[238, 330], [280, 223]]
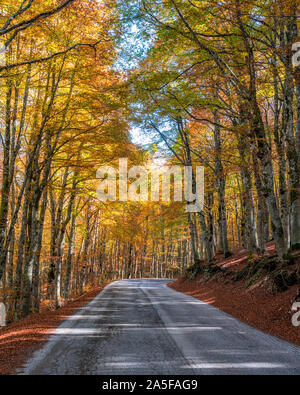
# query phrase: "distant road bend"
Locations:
[[144, 327]]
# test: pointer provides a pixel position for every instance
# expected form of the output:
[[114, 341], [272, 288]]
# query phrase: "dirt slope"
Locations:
[[253, 305]]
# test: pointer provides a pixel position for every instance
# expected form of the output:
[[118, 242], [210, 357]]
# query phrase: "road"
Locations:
[[144, 327]]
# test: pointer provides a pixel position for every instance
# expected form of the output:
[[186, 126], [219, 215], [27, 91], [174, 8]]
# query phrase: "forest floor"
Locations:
[[256, 304], [19, 340]]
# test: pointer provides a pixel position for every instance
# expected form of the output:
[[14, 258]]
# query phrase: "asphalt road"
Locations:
[[144, 327]]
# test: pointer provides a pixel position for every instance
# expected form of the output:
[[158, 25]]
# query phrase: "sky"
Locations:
[[137, 39]]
